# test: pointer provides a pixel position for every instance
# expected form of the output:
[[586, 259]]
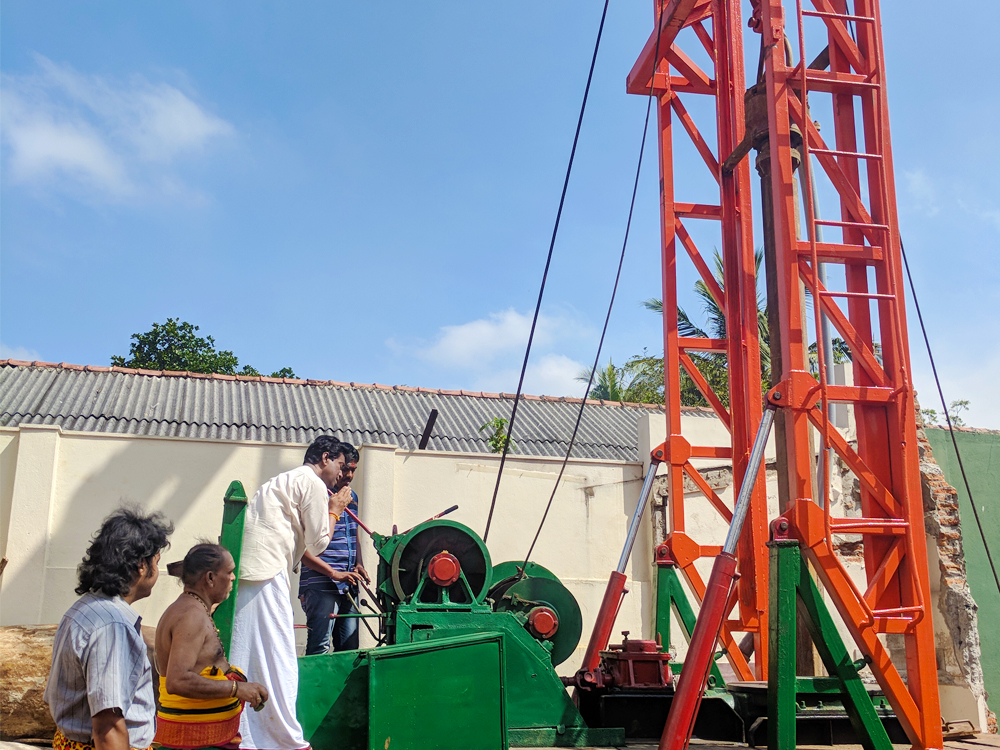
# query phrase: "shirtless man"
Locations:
[[201, 694]]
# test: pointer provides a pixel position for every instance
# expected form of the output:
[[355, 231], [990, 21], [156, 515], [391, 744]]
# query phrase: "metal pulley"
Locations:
[[549, 611]]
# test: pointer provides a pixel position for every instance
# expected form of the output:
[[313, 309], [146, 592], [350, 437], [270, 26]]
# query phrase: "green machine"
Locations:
[[466, 656]]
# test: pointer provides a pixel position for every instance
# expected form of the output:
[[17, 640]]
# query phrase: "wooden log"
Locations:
[[25, 660]]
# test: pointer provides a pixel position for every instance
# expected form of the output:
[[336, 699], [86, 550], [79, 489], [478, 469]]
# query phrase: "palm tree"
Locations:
[[634, 383], [712, 365]]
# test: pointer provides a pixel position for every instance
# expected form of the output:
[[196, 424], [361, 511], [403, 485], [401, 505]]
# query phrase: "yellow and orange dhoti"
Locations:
[[190, 723]]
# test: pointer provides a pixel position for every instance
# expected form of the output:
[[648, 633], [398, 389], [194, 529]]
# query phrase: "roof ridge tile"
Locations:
[[337, 384]]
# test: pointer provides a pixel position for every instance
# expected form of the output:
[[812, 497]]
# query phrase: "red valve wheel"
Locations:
[[444, 568]]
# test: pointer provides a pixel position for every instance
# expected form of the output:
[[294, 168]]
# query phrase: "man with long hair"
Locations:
[[201, 694], [100, 687], [289, 515]]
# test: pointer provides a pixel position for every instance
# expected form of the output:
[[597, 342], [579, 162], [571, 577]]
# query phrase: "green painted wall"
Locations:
[[981, 458]]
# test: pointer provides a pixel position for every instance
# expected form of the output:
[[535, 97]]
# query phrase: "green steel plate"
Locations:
[[445, 693], [551, 593]]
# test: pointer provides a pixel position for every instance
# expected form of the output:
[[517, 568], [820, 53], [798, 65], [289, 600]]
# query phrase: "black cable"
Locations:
[[545, 273], [944, 406], [611, 304]]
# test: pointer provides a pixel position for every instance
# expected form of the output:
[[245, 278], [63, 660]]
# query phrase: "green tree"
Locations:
[[712, 365], [639, 381], [175, 345], [955, 408]]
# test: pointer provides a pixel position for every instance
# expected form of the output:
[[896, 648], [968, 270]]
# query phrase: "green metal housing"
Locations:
[[459, 666]]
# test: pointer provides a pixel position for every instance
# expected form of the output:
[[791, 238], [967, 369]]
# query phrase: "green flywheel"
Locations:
[[539, 587]]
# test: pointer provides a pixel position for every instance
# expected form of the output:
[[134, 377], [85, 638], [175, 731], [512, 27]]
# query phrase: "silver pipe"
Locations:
[[823, 335], [640, 508], [753, 467]]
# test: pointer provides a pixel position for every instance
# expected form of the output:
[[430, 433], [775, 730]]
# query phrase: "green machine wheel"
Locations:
[[414, 553], [551, 612], [506, 573]]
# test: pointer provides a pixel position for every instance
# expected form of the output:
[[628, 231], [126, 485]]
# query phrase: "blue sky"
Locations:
[[365, 192]]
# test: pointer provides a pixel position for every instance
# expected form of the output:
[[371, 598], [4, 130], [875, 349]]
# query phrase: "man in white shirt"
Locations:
[[289, 514]]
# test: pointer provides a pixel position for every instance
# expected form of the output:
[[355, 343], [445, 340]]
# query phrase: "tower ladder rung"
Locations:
[[838, 16], [855, 154]]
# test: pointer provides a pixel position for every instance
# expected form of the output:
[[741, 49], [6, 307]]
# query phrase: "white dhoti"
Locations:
[[264, 645]]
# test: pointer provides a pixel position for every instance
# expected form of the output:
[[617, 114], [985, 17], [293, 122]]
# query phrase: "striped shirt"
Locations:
[[340, 554], [99, 662]]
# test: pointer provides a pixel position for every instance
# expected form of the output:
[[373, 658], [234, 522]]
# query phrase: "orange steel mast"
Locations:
[[865, 307]]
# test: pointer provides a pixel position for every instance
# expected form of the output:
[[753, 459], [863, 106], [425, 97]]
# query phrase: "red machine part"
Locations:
[[637, 664], [543, 622], [701, 651], [444, 568], [846, 75], [601, 634]]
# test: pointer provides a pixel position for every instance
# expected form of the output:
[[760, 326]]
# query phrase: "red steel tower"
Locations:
[[839, 79]]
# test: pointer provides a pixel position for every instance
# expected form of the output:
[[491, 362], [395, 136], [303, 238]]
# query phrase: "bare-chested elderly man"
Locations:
[[201, 694]]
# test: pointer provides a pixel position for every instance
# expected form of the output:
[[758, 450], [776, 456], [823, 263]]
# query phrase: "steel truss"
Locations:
[[868, 314]]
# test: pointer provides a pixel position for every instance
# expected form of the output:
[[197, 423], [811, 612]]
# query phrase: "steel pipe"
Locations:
[[694, 675]]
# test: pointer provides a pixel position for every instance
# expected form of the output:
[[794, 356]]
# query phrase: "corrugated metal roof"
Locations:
[[140, 402]]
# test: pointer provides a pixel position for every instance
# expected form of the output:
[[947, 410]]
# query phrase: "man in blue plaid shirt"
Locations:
[[328, 584]]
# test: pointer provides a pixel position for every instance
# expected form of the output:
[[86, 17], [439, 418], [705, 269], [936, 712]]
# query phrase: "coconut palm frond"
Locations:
[[685, 326], [653, 305]]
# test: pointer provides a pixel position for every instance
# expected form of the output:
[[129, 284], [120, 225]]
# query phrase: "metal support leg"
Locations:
[[231, 538], [785, 563], [791, 583], [714, 606]]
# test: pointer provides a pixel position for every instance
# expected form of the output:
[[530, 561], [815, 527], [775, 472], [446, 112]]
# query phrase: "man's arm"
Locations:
[[109, 730], [187, 640], [112, 663], [320, 566]]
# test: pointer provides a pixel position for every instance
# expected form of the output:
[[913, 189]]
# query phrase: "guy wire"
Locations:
[[944, 406], [611, 303], [545, 273]]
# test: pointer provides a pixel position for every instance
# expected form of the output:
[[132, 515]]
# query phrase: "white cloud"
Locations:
[[69, 131], [550, 375], [18, 352], [482, 341], [920, 191], [486, 354]]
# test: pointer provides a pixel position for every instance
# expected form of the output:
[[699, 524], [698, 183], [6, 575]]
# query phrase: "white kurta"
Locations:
[[264, 641], [286, 516]]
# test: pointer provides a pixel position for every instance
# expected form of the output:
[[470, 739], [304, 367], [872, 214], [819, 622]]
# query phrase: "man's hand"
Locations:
[[251, 692], [109, 730], [340, 500], [346, 576], [360, 570]]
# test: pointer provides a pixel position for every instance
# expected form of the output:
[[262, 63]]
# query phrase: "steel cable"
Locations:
[[611, 303], [545, 273], [944, 406]]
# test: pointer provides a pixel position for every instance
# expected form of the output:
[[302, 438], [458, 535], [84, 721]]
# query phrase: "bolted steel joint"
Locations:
[[444, 568], [780, 529]]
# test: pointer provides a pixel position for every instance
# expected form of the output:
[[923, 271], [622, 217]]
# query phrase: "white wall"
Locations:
[[64, 483], [56, 487]]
